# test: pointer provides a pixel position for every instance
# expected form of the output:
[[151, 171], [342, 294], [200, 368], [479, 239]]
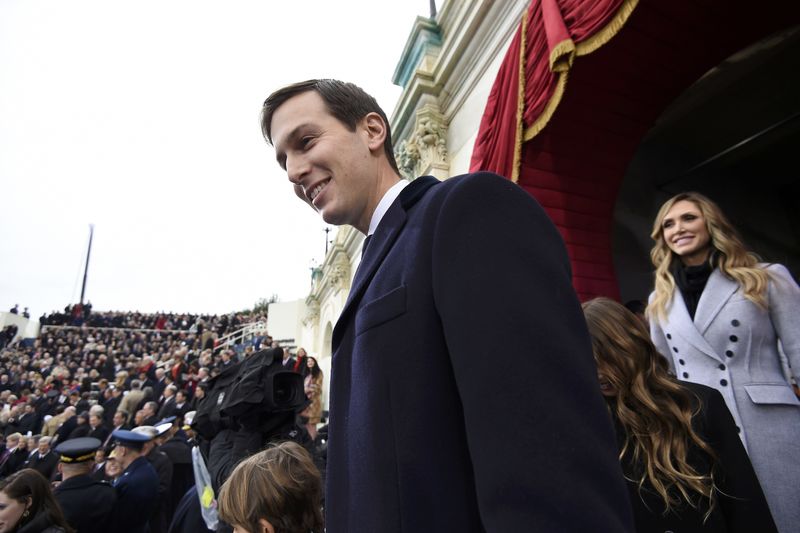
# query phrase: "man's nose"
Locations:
[[296, 169]]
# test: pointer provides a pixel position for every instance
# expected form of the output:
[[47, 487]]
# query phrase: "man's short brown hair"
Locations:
[[281, 485], [347, 102]]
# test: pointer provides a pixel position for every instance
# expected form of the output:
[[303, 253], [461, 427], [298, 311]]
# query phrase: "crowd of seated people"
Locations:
[[82, 314], [118, 370]]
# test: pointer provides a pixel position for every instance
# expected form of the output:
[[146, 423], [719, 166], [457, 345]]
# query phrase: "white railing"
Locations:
[[246, 332]]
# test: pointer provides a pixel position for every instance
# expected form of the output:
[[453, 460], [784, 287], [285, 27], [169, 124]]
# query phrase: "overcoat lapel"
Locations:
[[716, 294], [382, 241], [678, 319]]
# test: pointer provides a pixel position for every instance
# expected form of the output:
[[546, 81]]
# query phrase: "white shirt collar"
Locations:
[[388, 198]]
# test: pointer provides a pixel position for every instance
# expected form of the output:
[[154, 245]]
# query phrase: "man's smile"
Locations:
[[314, 192]]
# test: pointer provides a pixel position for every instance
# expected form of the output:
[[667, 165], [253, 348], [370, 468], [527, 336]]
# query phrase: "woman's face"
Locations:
[[10, 512], [606, 387], [686, 233], [311, 363]]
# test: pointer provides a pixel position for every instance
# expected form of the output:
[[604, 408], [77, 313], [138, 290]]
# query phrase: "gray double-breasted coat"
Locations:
[[732, 346]]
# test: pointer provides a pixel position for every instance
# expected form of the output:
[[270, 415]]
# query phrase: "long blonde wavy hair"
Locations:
[[730, 256], [654, 409]]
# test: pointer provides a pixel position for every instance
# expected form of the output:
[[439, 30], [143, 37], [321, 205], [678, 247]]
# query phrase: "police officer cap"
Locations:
[[163, 428], [167, 420], [78, 450], [130, 439], [188, 418], [149, 431]]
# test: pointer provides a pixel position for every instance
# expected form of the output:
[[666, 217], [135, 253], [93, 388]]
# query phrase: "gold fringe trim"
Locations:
[[549, 109], [586, 47], [562, 56], [515, 169], [611, 29]]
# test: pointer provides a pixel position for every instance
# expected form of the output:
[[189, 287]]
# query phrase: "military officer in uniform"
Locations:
[[137, 487], [87, 503], [164, 470]]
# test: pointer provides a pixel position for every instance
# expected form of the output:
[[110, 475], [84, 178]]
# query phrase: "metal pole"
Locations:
[[326, 230], [86, 270]]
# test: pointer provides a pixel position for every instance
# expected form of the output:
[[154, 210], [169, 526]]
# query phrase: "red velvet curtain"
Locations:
[[526, 93], [554, 32]]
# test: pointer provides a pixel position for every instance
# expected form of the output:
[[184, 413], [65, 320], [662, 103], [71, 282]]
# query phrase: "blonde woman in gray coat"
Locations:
[[719, 315]]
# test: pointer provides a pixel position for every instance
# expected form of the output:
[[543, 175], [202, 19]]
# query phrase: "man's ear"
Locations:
[[266, 527], [376, 130], [60, 468]]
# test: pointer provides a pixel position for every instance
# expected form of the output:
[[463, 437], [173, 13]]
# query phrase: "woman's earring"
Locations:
[[26, 513]]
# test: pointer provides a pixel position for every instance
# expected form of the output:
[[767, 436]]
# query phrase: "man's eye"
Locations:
[[305, 141]]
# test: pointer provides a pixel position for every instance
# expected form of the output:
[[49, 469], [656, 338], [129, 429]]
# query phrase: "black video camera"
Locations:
[[248, 394]]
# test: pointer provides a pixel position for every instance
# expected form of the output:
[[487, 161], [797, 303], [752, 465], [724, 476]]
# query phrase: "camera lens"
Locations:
[[281, 390]]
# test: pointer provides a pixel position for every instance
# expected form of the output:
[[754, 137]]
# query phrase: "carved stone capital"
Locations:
[[312, 311], [339, 273], [425, 151]]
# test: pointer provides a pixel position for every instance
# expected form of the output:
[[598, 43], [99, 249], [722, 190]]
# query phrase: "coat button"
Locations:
[[723, 382], [722, 366], [729, 353], [681, 361], [685, 374], [735, 323], [669, 336], [738, 429], [733, 338], [675, 349]]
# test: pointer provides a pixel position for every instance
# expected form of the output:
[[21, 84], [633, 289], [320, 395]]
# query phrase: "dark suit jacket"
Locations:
[[164, 469], [66, 428], [14, 462], [158, 387], [110, 407], [100, 433], [46, 465], [457, 275], [28, 422], [87, 503], [168, 408], [740, 507], [81, 430], [188, 515]]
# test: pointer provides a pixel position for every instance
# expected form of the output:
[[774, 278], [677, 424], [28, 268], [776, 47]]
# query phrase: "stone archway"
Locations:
[[732, 135]]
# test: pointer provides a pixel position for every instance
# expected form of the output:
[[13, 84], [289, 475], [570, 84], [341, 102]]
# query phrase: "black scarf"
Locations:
[[691, 281]]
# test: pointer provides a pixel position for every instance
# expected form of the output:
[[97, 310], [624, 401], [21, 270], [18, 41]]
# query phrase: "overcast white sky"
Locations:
[[142, 118]]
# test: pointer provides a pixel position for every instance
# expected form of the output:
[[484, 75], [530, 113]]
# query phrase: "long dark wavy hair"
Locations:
[[28, 484], [654, 409], [315, 370]]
